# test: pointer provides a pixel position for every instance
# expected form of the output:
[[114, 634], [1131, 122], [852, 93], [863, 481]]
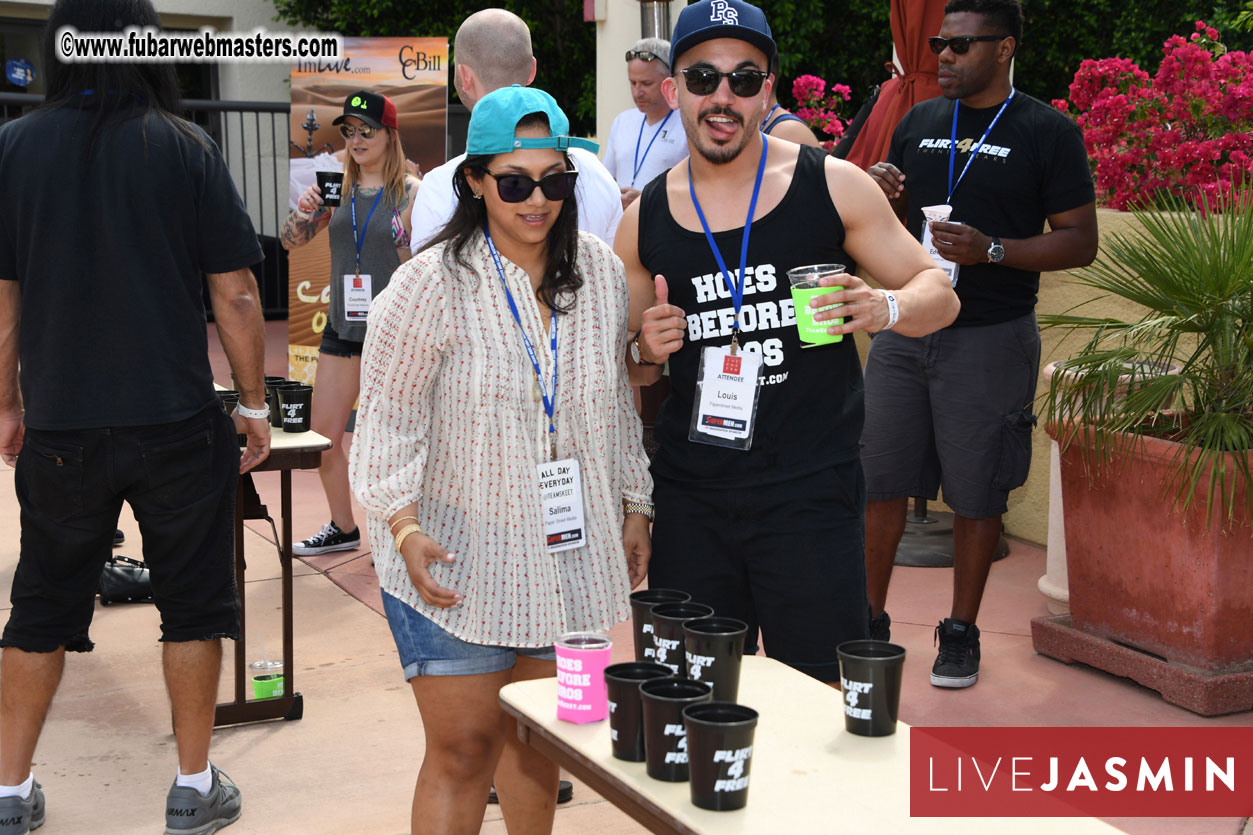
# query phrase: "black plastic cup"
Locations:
[[276, 406], [296, 403], [665, 736], [720, 753], [229, 399], [713, 650], [642, 603], [626, 719], [668, 620], [331, 185], [870, 678]]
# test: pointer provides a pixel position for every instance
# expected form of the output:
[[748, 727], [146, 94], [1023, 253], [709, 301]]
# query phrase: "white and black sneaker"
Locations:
[[958, 662], [330, 538]]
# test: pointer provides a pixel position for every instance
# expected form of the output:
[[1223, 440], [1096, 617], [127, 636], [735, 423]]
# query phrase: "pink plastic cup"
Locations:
[[581, 661]]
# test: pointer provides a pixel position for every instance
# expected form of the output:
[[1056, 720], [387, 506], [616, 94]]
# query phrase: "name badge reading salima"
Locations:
[[726, 405], [561, 495]]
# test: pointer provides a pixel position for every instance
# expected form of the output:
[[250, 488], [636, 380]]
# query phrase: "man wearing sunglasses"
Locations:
[[648, 139], [767, 529], [492, 49], [954, 409]]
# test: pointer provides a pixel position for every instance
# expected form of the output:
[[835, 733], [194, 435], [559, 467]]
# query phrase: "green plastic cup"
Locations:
[[804, 281]]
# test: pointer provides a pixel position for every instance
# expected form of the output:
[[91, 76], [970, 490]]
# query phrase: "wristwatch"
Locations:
[[996, 252], [636, 354]]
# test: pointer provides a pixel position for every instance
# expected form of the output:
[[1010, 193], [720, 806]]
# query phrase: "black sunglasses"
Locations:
[[644, 55], [517, 188], [703, 81], [960, 46], [348, 131]]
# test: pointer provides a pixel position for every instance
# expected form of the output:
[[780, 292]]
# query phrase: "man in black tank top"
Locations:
[[771, 534]]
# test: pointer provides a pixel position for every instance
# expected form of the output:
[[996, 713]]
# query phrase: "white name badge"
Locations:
[[357, 297], [940, 261], [561, 495], [726, 405]]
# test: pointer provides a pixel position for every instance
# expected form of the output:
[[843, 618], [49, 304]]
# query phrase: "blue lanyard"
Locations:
[[765, 123], [639, 163], [952, 144], [736, 287], [550, 405], [360, 241]]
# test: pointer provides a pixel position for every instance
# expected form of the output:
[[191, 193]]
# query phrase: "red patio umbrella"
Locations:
[[913, 21]]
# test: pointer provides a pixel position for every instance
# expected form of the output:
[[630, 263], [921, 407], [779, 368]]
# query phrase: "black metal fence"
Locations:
[[253, 138]]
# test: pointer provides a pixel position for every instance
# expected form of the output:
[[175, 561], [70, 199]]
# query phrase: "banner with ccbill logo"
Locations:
[[1081, 772], [413, 73]]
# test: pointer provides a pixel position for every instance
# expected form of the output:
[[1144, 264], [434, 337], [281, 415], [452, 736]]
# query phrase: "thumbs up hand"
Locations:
[[663, 326]]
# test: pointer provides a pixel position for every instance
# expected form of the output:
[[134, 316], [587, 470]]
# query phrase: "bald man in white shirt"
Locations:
[[492, 49]]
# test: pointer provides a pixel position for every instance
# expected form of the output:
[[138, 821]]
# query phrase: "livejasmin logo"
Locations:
[[1064, 772]]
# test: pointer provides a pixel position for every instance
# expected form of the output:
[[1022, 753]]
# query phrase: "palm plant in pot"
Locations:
[[1154, 418]]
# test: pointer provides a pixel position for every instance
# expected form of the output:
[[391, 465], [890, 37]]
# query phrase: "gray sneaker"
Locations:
[[188, 812], [18, 816]]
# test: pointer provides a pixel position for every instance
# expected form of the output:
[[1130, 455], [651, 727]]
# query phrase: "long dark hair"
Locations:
[[561, 274], [117, 91]]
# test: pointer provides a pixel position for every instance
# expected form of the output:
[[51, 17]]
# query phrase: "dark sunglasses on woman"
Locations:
[[367, 132], [517, 188], [703, 81], [960, 46]]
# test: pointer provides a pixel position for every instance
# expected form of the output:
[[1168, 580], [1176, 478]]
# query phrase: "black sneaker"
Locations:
[[118, 537], [565, 793], [330, 538], [881, 628], [20, 815], [188, 812], [958, 661]]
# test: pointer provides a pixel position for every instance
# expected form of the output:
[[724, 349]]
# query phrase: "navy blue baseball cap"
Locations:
[[711, 19], [495, 117]]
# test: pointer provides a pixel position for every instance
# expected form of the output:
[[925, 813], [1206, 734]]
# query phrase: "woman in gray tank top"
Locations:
[[369, 239]]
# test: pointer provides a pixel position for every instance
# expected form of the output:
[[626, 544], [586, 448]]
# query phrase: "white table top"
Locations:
[[808, 774]]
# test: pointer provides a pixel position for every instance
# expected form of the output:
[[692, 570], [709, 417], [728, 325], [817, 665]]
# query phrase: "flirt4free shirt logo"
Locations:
[[1081, 772]]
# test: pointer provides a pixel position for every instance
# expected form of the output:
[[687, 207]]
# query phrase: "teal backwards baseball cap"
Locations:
[[495, 117]]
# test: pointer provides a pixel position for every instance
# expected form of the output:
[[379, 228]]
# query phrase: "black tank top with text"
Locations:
[[810, 411]]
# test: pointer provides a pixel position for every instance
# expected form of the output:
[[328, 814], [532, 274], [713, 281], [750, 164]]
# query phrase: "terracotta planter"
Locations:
[[1143, 575]]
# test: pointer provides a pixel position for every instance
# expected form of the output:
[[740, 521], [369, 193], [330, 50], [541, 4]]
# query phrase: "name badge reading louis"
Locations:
[[561, 495], [357, 297], [726, 408]]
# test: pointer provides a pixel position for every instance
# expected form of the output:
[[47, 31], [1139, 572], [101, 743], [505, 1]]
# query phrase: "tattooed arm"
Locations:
[[304, 223]]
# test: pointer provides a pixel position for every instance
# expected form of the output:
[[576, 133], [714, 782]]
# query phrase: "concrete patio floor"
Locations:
[[107, 754]]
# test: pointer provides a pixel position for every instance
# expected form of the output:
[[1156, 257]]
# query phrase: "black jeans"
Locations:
[[179, 479]]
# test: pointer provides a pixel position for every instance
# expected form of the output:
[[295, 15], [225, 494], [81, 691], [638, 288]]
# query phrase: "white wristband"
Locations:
[[256, 414], [894, 310]]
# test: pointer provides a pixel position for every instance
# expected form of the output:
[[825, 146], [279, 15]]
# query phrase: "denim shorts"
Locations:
[[336, 345], [426, 649]]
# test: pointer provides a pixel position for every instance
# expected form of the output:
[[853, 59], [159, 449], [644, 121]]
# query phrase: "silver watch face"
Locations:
[[996, 252], [635, 352]]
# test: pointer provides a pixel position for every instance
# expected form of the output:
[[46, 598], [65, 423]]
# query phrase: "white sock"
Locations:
[[201, 782], [21, 790]]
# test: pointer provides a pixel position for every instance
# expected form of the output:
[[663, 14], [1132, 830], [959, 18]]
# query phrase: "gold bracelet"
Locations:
[[638, 507], [392, 525], [403, 534]]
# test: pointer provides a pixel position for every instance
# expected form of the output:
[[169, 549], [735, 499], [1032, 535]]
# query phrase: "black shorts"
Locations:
[[179, 479], [788, 559], [952, 409], [336, 346]]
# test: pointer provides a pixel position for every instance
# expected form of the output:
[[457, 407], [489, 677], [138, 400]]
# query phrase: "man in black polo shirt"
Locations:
[[955, 408]]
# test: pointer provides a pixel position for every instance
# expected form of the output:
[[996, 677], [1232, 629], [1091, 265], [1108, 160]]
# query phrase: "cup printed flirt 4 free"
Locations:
[[852, 695], [696, 663], [738, 779], [679, 755]]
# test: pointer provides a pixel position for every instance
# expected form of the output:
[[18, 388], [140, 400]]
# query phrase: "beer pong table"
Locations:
[[808, 774], [288, 451]]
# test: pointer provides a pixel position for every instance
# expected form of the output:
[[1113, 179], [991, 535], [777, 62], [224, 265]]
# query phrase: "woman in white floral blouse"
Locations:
[[493, 374]]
